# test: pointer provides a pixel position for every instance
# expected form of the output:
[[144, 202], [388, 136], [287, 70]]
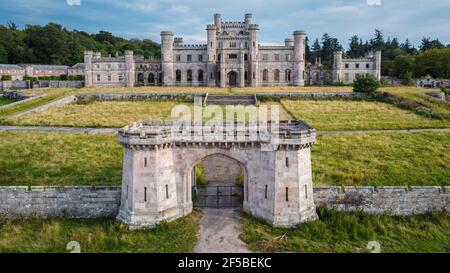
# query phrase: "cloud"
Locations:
[[179, 9]]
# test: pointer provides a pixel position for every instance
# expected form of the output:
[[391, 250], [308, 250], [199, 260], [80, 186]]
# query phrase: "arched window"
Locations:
[[276, 75], [189, 75], [151, 78], [265, 75], [288, 75], [178, 75], [140, 77], [200, 75]]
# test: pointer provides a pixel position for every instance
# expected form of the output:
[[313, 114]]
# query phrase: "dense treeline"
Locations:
[[400, 60], [53, 44]]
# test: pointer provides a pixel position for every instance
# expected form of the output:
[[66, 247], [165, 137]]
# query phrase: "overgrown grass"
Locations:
[[416, 159], [4, 101], [360, 159], [96, 235], [351, 232], [357, 115], [113, 113], [59, 159]]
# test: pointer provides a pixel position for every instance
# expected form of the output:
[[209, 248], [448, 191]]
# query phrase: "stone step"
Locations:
[[230, 100]]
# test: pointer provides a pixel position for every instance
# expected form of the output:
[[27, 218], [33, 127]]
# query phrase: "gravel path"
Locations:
[[219, 232]]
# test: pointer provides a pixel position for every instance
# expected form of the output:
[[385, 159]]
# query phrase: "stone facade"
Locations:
[[17, 72], [158, 171], [88, 202], [219, 168]]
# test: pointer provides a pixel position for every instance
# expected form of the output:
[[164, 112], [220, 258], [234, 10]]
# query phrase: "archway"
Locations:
[[233, 79], [151, 78], [218, 182]]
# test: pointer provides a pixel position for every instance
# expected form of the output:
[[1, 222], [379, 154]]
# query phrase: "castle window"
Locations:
[[287, 161], [288, 57], [178, 75], [145, 162], [109, 66], [145, 194], [245, 57], [178, 57], [200, 58], [189, 75], [246, 75], [287, 194], [367, 66], [265, 75], [288, 75], [254, 44], [167, 191], [232, 44], [306, 191], [232, 56], [200, 75], [98, 78], [109, 78], [346, 65], [265, 192], [276, 75], [347, 77], [254, 75], [97, 66], [120, 66], [357, 66], [265, 57], [277, 57], [151, 78], [246, 44], [189, 58]]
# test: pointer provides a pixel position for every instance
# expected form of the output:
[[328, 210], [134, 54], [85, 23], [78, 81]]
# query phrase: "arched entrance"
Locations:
[[233, 79], [218, 182]]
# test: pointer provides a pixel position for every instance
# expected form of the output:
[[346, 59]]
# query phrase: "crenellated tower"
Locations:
[[88, 55], [167, 58], [299, 57], [253, 56], [212, 52], [337, 66]]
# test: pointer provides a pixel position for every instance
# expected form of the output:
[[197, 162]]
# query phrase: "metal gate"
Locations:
[[217, 196]]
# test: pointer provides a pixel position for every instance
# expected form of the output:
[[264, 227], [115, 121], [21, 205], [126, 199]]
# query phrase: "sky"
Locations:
[[413, 19]]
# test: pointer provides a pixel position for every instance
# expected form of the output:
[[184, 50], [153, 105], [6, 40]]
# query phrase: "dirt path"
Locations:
[[219, 232]]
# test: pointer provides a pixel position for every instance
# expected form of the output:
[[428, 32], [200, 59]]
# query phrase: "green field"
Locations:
[[59, 159], [351, 232], [420, 159], [334, 115], [96, 235], [359, 159], [4, 101]]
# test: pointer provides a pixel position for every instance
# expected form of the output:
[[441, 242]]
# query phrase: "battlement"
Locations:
[[191, 46], [233, 25]]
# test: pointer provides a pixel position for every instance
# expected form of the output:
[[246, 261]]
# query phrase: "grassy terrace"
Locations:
[[4, 101], [96, 235], [375, 159], [108, 114], [357, 115], [351, 232]]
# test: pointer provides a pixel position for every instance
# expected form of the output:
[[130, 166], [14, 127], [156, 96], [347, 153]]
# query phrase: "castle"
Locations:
[[232, 57]]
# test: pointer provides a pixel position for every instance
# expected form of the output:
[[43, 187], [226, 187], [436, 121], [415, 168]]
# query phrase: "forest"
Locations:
[[54, 44]]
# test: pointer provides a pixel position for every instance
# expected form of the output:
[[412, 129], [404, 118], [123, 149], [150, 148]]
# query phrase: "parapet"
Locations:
[[166, 33], [211, 27], [253, 27], [299, 32]]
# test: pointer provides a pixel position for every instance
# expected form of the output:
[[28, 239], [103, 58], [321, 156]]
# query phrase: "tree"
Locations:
[[377, 42], [316, 50], [366, 83], [428, 44], [402, 65], [356, 47], [329, 46]]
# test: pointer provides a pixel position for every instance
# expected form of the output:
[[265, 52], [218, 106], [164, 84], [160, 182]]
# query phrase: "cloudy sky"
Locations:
[[412, 19]]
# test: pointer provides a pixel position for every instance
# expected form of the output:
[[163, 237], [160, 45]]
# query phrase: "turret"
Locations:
[[218, 22], [212, 51], [129, 65], [289, 42], [378, 64], [167, 57], [337, 66], [248, 20], [254, 51], [88, 55], [178, 41], [299, 57]]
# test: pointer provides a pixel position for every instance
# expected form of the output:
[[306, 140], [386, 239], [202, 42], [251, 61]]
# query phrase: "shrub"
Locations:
[[63, 77], [200, 175], [408, 79], [6, 78], [366, 83], [444, 90]]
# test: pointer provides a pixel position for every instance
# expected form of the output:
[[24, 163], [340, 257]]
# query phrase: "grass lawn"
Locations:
[[351, 232], [109, 113], [96, 235], [59, 159], [4, 101], [417, 159], [357, 115]]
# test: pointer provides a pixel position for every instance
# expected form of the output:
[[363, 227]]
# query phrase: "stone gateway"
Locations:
[[158, 171]]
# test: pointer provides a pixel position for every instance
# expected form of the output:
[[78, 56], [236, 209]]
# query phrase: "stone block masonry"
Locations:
[[69, 202], [99, 202]]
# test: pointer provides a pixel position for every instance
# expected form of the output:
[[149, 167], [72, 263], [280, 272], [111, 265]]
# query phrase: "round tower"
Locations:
[[218, 21], [167, 57], [337, 66], [289, 42], [88, 55], [130, 68], [248, 19], [378, 64], [212, 51], [299, 57], [254, 51]]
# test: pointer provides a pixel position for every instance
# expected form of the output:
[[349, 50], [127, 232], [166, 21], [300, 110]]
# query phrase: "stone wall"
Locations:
[[221, 169], [137, 96], [394, 200], [71, 202], [89, 202]]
